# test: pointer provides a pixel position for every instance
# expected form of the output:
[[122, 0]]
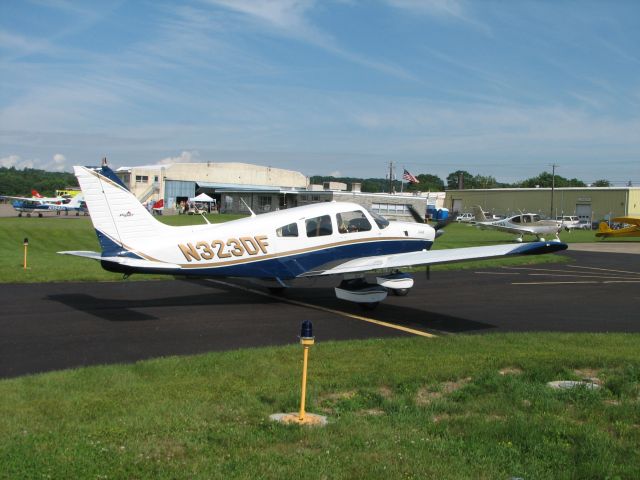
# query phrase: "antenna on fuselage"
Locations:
[[248, 207]]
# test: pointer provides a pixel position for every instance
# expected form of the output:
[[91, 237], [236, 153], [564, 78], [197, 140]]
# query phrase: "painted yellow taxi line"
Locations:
[[325, 309]]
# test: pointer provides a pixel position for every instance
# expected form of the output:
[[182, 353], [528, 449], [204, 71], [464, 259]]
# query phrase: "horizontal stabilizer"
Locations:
[[83, 253], [124, 261]]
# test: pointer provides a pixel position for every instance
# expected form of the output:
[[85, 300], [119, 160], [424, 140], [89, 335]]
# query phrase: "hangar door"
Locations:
[[176, 191], [583, 212]]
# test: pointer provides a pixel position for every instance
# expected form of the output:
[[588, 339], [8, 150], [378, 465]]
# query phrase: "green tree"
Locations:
[[485, 181], [545, 180], [428, 182], [20, 182], [452, 180], [601, 183]]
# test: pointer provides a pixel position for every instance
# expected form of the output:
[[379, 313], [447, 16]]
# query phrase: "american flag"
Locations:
[[409, 178]]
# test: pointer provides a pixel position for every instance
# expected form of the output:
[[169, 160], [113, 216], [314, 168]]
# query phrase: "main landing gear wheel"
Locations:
[[400, 292]]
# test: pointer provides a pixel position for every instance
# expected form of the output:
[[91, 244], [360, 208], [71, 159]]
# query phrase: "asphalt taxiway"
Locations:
[[53, 326]]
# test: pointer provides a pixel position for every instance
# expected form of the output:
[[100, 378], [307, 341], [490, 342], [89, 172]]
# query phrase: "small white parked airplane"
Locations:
[[331, 238], [520, 225], [41, 205]]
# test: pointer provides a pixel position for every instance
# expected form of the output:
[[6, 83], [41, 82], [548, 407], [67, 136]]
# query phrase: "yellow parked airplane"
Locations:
[[632, 230]]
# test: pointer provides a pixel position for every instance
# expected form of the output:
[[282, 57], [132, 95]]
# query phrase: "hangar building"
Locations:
[[262, 188], [588, 203]]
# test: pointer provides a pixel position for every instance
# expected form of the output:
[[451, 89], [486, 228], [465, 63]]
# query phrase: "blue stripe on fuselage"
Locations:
[[287, 267]]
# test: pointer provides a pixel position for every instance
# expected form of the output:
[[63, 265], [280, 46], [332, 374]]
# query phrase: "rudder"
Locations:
[[115, 212]]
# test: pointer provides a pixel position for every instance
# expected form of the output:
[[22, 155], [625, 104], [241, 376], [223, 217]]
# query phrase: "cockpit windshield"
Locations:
[[381, 221]]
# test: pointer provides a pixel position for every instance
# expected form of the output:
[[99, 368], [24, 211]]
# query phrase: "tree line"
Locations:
[[455, 180], [17, 182], [20, 182]]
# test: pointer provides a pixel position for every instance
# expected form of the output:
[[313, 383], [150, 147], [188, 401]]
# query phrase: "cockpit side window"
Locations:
[[319, 226], [380, 220], [350, 222], [517, 219], [290, 230]]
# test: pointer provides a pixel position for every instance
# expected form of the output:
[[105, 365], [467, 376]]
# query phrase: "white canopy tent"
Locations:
[[202, 198]]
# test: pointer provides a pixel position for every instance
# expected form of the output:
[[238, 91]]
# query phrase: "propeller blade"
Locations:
[[443, 223], [416, 215]]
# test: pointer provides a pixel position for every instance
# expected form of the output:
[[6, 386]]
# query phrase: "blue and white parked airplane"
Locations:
[[40, 205], [331, 238]]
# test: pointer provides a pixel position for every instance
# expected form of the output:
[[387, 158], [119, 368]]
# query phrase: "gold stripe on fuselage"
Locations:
[[293, 252]]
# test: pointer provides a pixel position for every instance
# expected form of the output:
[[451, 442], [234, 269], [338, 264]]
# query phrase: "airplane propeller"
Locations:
[[420, 219]]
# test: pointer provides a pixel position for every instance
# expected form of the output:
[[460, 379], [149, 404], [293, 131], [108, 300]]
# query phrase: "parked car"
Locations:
[[465, 217], [568, 222], [584, 225]]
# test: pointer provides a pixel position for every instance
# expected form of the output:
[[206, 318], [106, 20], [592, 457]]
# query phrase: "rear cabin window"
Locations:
[[290, 230], [319, 226], [350, 222]]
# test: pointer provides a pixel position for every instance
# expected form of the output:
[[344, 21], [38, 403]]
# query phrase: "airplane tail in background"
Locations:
[[76, 201], [119, 218], [479, 214], [35, 193]]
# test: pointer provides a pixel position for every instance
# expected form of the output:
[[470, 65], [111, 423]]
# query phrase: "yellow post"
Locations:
[[306, 342], [26, 245], [302, 417]]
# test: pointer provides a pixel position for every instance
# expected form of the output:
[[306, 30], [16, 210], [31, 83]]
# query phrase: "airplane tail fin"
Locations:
[[119, 218], [76, 201], [479, 214], [35, 193]]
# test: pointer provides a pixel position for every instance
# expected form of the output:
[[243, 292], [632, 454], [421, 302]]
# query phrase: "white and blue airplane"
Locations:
[[331, 238], [40, 205]]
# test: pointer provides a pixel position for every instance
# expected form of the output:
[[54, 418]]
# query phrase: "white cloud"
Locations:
[[444, 9], [432, 7], [184, 157], [59, 162], [15, 161], [286, 14], [335, 173], [289, 18]]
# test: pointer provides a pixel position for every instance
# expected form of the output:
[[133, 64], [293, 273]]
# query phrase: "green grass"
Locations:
[[400, 408], [50, 235]]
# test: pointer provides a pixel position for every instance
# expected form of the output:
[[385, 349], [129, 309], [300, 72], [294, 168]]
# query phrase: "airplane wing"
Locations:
[[629, 220], [428, 257], [22, 199], [500, 228]]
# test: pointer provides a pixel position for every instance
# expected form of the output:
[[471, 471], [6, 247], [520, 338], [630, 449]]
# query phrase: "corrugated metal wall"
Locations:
[[634, 201], [176, 188], [565, 202]]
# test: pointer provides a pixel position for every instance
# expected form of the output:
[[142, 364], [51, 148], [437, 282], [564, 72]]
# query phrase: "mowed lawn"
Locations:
[[50, 235], [456, 407]]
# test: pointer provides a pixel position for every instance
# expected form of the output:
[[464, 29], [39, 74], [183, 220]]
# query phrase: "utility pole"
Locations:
[[390, 177], [553, 186]]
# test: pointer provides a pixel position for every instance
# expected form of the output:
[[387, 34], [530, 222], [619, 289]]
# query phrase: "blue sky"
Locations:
[[502, 88]]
